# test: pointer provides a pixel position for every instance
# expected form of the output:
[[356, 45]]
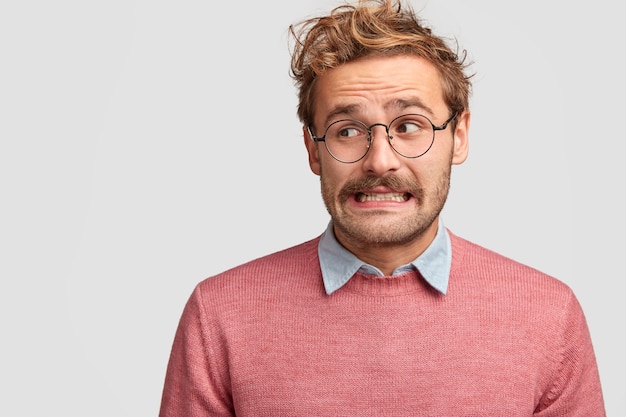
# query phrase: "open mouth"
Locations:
[[399, 197]]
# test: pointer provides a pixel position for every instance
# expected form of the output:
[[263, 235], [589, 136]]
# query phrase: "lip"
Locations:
[[381, 195]]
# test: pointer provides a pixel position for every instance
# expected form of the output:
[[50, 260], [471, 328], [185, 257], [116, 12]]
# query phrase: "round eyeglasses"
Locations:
[[410, 135]]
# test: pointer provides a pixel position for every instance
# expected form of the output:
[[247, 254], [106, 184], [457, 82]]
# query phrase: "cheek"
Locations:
[[334, 177], [330, 182], [332, 172], [430, 176], [433, 164]]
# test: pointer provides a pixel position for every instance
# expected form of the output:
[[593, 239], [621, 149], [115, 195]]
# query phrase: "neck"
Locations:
[[389, 256]]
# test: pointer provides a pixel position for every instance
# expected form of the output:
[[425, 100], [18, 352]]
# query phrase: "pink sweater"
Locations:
[[264, 339]]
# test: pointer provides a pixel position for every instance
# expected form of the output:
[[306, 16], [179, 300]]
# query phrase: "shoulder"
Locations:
[[266, 285], [280, 267], [534, 300], [487, 267]]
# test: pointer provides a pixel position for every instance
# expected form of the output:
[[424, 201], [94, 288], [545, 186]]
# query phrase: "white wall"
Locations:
[[146, 145]]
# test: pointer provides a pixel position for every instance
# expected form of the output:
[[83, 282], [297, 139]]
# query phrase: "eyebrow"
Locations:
[[402, 104], [342, 109], [399, 104]]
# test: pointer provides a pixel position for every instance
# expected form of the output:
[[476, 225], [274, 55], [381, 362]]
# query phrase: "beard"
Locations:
[[374, 227]]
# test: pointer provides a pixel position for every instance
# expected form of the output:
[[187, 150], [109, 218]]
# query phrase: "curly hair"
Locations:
[[371, 27]]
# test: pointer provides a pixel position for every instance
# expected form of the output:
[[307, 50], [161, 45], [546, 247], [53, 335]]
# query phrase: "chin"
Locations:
[[383, 232]]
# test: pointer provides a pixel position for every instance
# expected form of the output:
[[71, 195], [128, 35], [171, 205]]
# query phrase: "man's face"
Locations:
[[385, 199]]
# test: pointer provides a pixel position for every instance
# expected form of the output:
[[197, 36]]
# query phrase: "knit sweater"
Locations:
[[264, 339]]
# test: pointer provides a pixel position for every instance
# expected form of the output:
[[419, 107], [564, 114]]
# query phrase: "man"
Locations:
[[387, 313]]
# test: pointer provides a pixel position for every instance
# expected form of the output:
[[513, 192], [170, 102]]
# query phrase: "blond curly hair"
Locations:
[[371, 27]]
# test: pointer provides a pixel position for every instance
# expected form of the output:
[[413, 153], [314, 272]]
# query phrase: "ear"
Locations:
[[313, 150], [461, 142]]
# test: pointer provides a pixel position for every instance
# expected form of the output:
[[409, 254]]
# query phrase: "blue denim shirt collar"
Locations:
[[339, 265]]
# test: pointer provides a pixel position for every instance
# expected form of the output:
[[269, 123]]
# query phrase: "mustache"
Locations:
[[391, 181]]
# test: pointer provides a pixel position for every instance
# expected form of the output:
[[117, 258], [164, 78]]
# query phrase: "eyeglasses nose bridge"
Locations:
[[370, 131]]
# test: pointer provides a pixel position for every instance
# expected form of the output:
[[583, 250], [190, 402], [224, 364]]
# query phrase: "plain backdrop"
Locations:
[[147, 145]]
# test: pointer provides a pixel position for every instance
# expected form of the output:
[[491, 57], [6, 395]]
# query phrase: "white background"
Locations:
[[146, 145]]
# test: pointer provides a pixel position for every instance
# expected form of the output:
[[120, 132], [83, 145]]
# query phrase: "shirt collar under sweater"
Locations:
[[339, 265]]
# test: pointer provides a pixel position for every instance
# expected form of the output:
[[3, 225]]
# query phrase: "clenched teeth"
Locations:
[[399, 197]]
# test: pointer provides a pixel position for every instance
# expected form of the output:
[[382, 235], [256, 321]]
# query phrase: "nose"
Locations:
[[381, 158]]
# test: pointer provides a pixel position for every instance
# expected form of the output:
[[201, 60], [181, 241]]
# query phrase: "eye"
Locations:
[[349, 132], [410, 126], [346, 129]]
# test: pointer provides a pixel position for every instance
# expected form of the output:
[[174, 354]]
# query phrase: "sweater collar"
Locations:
[[339, 265]]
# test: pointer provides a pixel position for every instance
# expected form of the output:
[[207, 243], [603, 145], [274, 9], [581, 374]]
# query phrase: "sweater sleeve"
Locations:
[[196, 382], [576, 390]]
